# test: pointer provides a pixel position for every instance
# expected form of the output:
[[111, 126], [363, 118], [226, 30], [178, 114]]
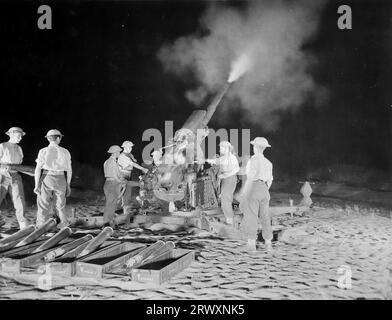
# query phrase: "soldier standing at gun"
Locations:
[[10, 180], [228, 169], [113, 184], [127, 162], [53, 175], [255, 196]]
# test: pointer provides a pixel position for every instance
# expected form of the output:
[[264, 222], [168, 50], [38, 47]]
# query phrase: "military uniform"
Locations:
[[255, 203], [11, 181], [125, 160], [113, 184], [228, 167], [55, 162]]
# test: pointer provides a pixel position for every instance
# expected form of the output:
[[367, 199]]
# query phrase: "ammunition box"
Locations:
[[158, 272], [95, 265]]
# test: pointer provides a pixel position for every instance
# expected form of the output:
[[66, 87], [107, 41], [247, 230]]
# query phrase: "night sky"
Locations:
[[96, 77]]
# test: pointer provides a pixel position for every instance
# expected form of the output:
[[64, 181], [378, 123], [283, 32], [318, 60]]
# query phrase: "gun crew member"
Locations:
[[157, 157], [10, 180], [127, 162], [228, 168], [255, 196], [54, 182], [113, 185]]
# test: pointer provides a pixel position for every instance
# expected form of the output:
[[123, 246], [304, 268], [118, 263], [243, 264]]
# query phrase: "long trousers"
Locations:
[[255, 207], [53, 189], [112, 190], [127, 196], [227, 190], [12, 183]]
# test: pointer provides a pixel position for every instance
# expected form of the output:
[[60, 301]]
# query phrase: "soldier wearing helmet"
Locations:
[[157, 157], [127, 162], [53, 175], [255, 196], [114, 183], [228, 168], [10, 180]]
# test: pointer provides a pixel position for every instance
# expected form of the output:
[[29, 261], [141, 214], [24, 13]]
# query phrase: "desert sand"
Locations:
[[304, 266]]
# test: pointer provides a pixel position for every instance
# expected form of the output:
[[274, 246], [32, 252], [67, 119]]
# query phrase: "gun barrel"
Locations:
[[214, 104]]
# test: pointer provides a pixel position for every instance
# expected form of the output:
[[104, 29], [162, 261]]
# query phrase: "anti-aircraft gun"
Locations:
[[180, 174]]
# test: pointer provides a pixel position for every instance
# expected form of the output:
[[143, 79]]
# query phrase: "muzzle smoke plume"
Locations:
[[240, 67], [259, 46]]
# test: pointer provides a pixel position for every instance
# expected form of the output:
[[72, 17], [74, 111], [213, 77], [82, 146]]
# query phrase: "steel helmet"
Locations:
[[260, 142], [156, 152], [226, 144], [127, 144], [54, 132], [15, 129], [114, 149]]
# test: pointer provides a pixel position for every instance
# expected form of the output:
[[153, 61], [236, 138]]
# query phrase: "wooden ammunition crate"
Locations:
[[66, 265], [95, 265], [9, 259], [159, 272], [16, 259]]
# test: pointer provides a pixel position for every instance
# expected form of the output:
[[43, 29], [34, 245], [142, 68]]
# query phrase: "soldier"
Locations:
[[114, 183], [157, 157], [146, 195], [127, 162], [54, 180], [255, 196], [228, 169], [10, 180]]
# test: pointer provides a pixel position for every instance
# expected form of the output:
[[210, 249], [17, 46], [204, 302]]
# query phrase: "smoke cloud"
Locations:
[[260, 46]]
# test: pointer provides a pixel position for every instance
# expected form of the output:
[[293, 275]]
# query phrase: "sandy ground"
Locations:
[[307, 268]]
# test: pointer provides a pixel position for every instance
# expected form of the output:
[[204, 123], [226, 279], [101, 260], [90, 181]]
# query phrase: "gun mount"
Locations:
[[180, 175]]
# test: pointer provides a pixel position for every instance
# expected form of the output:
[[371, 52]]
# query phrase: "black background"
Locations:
[[95, 76]]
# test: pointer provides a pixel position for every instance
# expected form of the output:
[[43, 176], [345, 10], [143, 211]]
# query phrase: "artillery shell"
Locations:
[[18, 235], [137, 260], [52, 255], [62, 234], [46, 227], [97, 241], [73, 253], [168, 247]]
